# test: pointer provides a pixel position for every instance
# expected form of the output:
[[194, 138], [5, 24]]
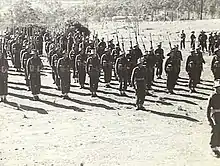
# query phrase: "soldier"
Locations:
[[3, 77], [121, 68], [72, 57], [138, 80], [213, 115], [159, 52], [52, 51], [215, 66], [193, 69], [203, 41], [54, 61], [24, 58], [101, 47], [150, 62], [172, 71], [16, 48], [63, 71], [200, 61], [183, 40], [93, 70], [131, 64], [107, 65], [80, 67], [211, 44], [193, 40], [34, 66], [179, 57]]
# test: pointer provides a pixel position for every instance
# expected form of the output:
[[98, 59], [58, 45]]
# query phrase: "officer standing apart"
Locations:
[[34, 66], [213, 115], [138, 81], [63, 71], [3, 78]]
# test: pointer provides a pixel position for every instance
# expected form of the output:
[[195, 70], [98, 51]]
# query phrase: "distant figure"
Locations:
[[211, 44], [193, 40], [213, 115], [183, 40], [3, 77], [159, 52], [203, 41], [215, 66]]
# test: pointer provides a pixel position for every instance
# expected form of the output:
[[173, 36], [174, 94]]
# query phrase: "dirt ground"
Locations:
[[107, 130]]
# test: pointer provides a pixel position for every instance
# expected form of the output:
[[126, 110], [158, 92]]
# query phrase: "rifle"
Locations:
[[136, 37], [123, 46], [117, 36], [169, 41], [151, 41], [130, 39], [143, 44]]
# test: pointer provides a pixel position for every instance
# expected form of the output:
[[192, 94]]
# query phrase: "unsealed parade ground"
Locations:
[[107, 130]]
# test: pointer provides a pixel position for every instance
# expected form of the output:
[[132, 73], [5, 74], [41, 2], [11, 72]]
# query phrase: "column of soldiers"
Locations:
[[77, 54]]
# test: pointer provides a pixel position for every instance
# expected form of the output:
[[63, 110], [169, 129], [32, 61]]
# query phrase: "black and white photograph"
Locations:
[[109, 82]]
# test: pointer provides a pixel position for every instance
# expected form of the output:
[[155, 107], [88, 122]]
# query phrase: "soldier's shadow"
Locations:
[[171, 115], [27, 108]]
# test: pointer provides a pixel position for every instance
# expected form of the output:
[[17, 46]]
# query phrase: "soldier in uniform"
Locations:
[[215, 66], [34, 66], [80, 67], [24, 58], [193, 40], [203, 41], [150, 62], [172, 71], [72, 57], [3, 77], [159, 52], [16, 48], [138, 80], [193, 69], [183, 40], [107, 65], [93, 70], [63, 71], [121, 68], [211, 44], [213, 115], [54, 62], [131, 64], [200, 61]]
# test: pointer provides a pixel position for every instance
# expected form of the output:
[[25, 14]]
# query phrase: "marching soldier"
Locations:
[[213, 115], [72, 57], [131, 64], [159, 52], [3, 77], [52, 51], [16, 48], [93, 70], [172, 71], [121, 68], [54, 62], [211, 44], [107, 65], [193, 40], [183, 40], [200, 62], [203, 41], [138, 80], [80, 67], [63, 70], [24, 58], [193, 69], [215, 66], [149, 62], [34, 66]]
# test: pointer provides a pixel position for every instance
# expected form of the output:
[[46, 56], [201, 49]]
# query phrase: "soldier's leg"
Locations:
[[91, 85], [38, 84], [54, 75]]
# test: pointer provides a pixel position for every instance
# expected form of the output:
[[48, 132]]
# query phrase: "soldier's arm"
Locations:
[[212, 64], [87, 65], [58, 68], [187, 62], [133, 76], [27, 67], [76, 59], [101, 60], [22, 59], [116, 67], [209, 113]]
